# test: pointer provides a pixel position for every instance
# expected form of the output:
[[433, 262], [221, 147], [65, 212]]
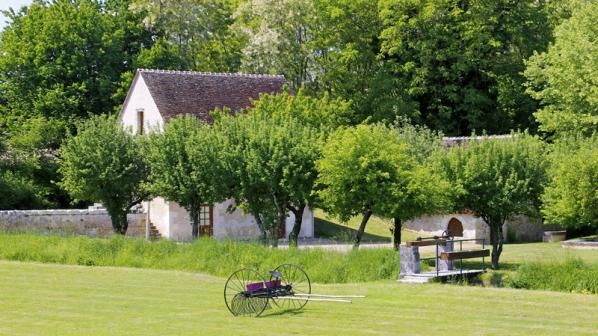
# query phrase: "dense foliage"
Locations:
[[571, 196], [497, 179], [563, 78], [184, 165], [270, 158], [368, 170], [460, 62], [65, 59], [104, 163]]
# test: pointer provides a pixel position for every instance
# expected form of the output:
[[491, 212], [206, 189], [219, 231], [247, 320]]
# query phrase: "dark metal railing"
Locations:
[[444, 240]]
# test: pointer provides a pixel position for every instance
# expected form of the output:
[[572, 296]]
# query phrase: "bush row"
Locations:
[[571, 275]]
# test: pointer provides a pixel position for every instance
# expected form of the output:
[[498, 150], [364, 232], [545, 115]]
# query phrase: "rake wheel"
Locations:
[[294, 276], [238, 299]]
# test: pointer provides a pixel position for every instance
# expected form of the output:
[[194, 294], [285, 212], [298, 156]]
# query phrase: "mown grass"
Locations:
[[205, 255], [47, 299]]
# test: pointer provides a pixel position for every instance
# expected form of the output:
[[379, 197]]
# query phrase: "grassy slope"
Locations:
[[74, 300], [377, 229]]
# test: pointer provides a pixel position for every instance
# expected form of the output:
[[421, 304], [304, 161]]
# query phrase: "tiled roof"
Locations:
[[199, 93]]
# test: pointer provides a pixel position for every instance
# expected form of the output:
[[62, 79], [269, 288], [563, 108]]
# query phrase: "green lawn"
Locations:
[[46, 299], [377, 229]]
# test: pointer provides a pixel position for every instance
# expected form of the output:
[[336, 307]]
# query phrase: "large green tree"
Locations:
[[460, 62], [104, 163], [571, 196], [184, 167], [271, 160], [63, 59], [497, 179], [190, 34], [319, 114], [564, 77], [367, 170]]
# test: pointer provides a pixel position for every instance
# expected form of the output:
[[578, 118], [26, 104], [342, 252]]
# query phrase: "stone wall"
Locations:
[[88, 222], [517, 229]]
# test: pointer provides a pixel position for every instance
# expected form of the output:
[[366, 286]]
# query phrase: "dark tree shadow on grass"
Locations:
[[329, 230]]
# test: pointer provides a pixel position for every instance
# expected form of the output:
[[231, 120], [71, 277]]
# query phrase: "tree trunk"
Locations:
[[496, 238], [364, 220], [396, 233], [119, 221], [298, 212], [194, 213]]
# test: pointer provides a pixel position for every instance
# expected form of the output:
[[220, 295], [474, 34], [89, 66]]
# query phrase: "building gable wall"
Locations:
[[140, 98]]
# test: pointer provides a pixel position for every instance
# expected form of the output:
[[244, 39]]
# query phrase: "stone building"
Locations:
[[155, 96]]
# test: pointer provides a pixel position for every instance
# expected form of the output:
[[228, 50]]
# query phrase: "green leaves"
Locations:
[[460, 62], [497, 178], [564, 77], [571, 196], [64, 59], [104, 163], [372, 168]]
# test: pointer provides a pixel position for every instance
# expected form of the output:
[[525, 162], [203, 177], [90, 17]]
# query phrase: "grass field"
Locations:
[[45, 299]]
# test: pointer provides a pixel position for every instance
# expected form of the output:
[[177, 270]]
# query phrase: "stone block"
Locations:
[[410, 260]]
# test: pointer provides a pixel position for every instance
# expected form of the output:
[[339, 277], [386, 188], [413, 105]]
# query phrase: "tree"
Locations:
[[460, 62], [104, 163], [195, 34], [368, 169], [270, 158], [563, 78], [427, 192], [63, 59], [497, 179], [184, 168], [314, 114], [571, 198]]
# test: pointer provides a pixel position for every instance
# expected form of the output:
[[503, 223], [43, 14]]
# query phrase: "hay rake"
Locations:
[[246, 292]]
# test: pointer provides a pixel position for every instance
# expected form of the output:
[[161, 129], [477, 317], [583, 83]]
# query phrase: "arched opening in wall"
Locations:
[[455, 228]]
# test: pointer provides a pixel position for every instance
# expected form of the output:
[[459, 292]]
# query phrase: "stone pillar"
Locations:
[[409, 259], [445, 265]]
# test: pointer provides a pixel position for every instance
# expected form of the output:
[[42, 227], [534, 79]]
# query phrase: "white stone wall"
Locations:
[[93, 223], [139, 97], [173, 222], [473, 227], [159, 215], [520, 228]]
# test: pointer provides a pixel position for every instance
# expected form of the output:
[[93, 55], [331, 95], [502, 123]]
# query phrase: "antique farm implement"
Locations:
[[246, 292]]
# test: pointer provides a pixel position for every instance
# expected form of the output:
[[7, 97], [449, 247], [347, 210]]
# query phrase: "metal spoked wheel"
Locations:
[[295, 277], [238, 299]]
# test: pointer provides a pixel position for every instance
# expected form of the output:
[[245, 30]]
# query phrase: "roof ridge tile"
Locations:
[[221, 74]]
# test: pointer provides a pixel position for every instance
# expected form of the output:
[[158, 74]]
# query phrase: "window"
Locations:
[[140, 122], [205, 216]]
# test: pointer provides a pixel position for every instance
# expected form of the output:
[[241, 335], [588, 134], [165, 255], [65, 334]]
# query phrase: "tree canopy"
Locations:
[[367, 170], [571, 196], [64, 59], [460, 61], [563, 78], [270, 159], [184, 166], [104, 163], [497, 179]]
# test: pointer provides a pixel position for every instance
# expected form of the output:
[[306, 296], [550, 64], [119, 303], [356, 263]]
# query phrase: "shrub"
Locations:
[[572, 275]]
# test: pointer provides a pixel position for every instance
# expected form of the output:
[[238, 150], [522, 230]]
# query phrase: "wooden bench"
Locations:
[[456, 255], [429, 242]]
